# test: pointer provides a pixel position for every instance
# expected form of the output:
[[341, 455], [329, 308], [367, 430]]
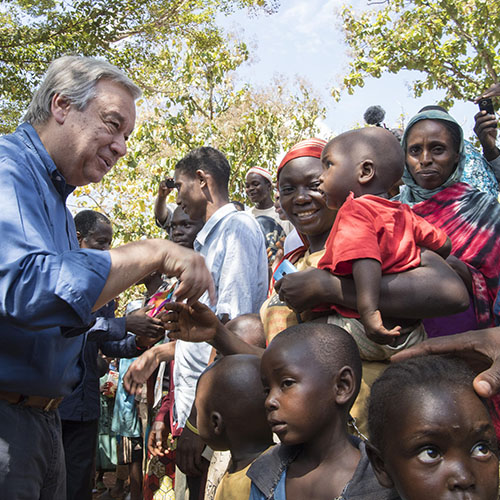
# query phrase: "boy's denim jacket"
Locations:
[[267, 471]]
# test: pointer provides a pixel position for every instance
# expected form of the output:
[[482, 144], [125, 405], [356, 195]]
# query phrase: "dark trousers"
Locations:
[[80, 442], [31, 454]]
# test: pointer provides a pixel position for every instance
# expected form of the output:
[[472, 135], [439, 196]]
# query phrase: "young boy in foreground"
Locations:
[[311, 374], [371, 235], [231, 416]]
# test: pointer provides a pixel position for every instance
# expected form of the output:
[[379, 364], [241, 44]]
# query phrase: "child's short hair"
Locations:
[[86, 221], [244, 381], [426, 373], [381, 146], [208, 159], [249, 328], [331, 346]]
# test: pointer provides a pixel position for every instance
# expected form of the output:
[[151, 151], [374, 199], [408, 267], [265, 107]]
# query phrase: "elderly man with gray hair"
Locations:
[[75, 130]]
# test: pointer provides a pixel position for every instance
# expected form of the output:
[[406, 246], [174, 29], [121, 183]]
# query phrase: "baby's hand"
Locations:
[[376, 331]]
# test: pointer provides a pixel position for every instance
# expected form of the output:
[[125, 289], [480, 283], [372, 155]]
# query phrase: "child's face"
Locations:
[[339, 175], [442, 446], [299, 397], [100, 238]]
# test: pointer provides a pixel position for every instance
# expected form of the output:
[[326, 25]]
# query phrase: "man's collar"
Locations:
[[209, 226], [32, 140]]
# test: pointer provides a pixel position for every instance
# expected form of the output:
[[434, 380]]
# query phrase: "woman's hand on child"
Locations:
[[303, 290], [479, 348]]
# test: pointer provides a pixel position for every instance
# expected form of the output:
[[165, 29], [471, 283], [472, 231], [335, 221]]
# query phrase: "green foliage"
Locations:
[[130, 33], [454, 43]]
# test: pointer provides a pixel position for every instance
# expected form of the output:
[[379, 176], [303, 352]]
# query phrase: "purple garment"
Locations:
[[448, 325]]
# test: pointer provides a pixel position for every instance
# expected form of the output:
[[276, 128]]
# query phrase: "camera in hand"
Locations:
[[486, 104]]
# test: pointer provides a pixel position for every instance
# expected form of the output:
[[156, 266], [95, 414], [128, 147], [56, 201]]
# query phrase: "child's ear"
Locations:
[[201, 175], [79, 237], [366, 171], [378, 466], [344, 385], [217, 423]]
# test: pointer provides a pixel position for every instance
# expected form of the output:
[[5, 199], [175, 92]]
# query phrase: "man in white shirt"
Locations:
[[234, 250]]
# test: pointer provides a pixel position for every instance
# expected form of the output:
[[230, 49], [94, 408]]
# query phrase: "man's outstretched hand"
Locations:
[[195, 323], [479, 348]]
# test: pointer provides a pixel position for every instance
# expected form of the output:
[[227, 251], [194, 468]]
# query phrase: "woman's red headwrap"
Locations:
[[310, 147]]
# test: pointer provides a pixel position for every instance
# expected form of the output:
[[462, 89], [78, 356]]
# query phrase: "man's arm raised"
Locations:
[[131, 262]]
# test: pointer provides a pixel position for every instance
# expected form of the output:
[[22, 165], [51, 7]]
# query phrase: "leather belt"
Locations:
[[39, 402]]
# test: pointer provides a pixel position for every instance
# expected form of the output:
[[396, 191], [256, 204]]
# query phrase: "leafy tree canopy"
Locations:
[[454, 43], [132, 34]]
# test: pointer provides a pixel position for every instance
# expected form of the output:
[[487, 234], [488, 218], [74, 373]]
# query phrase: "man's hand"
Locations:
[[158, 439], [163, 189], [139, 372], [194, 276], [188, 453], [479, 348], [486, 130], [142, 368], [493, 91], [302, 290], [196, 323], [148, 330]]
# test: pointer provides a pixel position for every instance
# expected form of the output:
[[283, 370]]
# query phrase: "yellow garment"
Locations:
[[276, 315], [235, 486]]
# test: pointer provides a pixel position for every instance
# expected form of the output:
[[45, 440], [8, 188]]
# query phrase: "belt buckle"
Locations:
[[51, 404]]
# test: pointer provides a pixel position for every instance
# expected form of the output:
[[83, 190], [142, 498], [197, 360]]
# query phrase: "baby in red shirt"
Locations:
[[371, 235]]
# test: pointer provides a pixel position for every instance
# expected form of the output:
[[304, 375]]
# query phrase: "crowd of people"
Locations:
[[341, 340]]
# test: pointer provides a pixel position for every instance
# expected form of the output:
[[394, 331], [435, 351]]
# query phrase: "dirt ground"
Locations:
[[109, 482]]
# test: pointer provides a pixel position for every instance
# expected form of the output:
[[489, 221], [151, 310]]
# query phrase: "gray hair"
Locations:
[[74, 77]]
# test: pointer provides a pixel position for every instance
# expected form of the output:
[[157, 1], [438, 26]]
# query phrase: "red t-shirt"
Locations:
[[370, 227]]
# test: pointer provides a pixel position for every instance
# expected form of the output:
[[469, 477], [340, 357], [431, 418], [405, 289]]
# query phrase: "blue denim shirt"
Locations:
[[109, 335], [268, 476], [48, 285]]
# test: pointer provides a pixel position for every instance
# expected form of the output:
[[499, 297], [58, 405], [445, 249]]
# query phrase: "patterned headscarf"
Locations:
[[310, 147], [260, 171], [411, 193]]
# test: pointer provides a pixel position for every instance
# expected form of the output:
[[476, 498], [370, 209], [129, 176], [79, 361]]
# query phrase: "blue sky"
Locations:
[[304, 39]]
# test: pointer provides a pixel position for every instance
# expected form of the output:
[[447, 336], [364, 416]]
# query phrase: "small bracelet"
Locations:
[[192, 428]]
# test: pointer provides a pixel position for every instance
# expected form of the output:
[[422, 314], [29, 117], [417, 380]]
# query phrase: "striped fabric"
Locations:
[[471, 219]]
